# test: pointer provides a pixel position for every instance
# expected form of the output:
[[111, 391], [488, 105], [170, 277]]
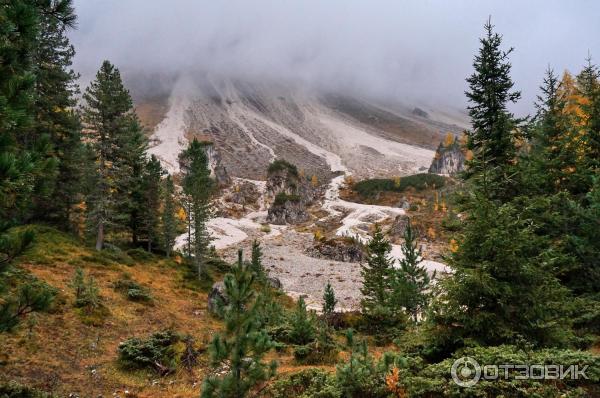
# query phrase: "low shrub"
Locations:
[[283, 197], [419, 182], [158, 352], [132, 290], [140, 255], [280, 165], [419, 380], [307, 383], [13, 389]]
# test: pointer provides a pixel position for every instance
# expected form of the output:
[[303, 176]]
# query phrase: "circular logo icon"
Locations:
[[465, 372]]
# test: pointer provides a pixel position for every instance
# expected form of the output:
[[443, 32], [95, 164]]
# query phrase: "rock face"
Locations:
[[338, 249], [244, 193], [288, 193], [290, 211], [420, 112], [449, 158], [216, 296], [398, 227], [217, 170]]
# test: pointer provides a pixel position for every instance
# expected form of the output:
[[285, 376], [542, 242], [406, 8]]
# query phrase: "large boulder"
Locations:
[[398, 226], [274, 282], [216, 296], [338, 249]]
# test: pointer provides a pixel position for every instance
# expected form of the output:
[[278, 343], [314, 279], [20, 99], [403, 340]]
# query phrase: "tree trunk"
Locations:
[[100, 236]]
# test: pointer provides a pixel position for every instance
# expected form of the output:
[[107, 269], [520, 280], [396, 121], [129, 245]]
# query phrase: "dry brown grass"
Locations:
[[64, 355]]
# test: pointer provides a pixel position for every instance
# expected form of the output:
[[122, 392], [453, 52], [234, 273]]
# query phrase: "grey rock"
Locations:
[[338, 249], [448, 160], [399, 225], [216, 296], [274, 282]]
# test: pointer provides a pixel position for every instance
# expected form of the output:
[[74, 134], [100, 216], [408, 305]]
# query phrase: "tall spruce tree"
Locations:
[[504, 287], [115, 134], [169, 216], [198, 187], [492, 137], [243, 344]]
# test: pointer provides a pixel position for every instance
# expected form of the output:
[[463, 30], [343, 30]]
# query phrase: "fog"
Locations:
[[418, 51]]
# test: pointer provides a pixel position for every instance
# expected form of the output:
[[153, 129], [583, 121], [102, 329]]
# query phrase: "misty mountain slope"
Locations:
[[252, 124]]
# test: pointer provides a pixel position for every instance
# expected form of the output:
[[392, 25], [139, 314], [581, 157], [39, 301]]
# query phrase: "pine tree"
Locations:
[[492, 138], [243, 343], [169, 217], [329, 301], [256, 260], [302, 325], [57, 124], [18, 32], [114, 132], [150, 210], [198, 187], [411, 281]]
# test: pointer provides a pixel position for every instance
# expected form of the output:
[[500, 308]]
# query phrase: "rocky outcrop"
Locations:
[[398, 226], [216, 297], [420, 112], [338, 249], [288, 194], [449, 158], [244, 193], [287, 209], [217, 169]]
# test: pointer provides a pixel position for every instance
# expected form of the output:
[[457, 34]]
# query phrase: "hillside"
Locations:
[[251, 124]]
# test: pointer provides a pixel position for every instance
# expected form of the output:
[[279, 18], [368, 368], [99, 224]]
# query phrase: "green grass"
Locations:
[[419, 182], [283, 197], [280, 165]]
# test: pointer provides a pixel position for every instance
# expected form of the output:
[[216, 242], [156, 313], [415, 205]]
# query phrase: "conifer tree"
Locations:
[[198, 187], [169, 218], [56, 121], [256, 260], [492, 138], [243, 343], [150, 209], [411, 280], [302, 324], [329, 301], [377, 273], [114, 132]]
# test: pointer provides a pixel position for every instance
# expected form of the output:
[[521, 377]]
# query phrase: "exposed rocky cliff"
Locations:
[[449, 158], [288, 193]]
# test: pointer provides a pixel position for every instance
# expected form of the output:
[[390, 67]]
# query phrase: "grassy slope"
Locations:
[[61, 352]]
